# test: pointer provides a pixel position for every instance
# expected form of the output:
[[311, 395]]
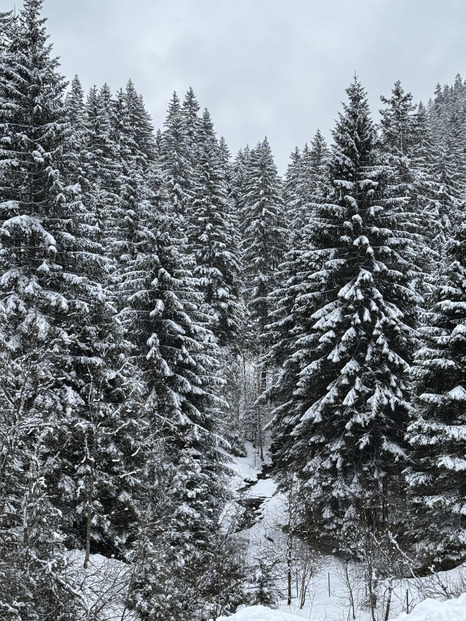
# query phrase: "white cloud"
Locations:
[[275, 67]]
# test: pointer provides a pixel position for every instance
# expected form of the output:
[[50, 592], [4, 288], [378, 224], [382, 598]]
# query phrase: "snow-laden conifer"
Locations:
[[262, 226], [212, 240], [59, 338], [342, 426], [437, 432]]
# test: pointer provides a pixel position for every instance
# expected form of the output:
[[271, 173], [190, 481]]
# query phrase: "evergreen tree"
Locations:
[[29, 120], [102, 172], [398, 122], [133, 134], [177, 356], [58, 337], [341, 430], [75, 132], [212, 240], [262, 227], [437, 431], [305, 184], [258, 196], [191, 121], [316, 161], [176, 158], [444, 121], [406, 152]]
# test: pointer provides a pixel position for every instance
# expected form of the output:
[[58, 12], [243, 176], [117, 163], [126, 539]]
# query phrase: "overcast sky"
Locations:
[[262, 67]]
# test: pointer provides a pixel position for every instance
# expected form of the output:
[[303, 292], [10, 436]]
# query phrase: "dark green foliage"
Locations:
[[437, 432], [213, 240], [262, 227], [347, 361], [155, 300], [65, 473]]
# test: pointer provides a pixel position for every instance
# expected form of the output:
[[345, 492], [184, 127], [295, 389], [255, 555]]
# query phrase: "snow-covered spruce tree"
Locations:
[[292, 182], [434, 217], [315, 168], [29, 115], [342, 429], [447, 112], [195, 173], [164, 311], [176, 156], [304, 183], [133, 134], [102, 168], [447, 170], [406, 152], [212, 239], [213, 242], [290, 317], [177, 355], [58, 338], [191, 122], [437, 432], [262, 226], [238, 179], [258, 194], [444, 120], [99, 164], [398, 122]]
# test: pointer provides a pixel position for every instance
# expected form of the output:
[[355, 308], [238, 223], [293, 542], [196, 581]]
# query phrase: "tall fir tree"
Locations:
[[177, 355], [262, 227], [59, 338], [102, 168], [212, 239], [342, 429], [137, 181], [407, 151], [30, 112], [176, 156], [437, 432], [305, 184], [258, 195]]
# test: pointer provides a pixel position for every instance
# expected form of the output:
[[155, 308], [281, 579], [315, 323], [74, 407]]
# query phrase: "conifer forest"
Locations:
[[164, 303]]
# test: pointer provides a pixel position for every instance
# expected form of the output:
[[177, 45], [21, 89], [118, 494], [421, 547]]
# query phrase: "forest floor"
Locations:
[[324, 588]]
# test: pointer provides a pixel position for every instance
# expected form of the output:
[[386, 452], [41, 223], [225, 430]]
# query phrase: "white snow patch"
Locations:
[[260, 613], [245, 468], [457, 394], [433, 610], [264, 488]]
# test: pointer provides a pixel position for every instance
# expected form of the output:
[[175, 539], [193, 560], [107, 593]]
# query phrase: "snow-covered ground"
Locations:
[[429, 610], [333, 591], [261, 613], [329, 585], [101, 588], [433, 610]]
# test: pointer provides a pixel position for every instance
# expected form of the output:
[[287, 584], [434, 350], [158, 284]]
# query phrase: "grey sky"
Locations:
[[262, 67]]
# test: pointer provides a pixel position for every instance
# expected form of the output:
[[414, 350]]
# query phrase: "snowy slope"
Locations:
[[433, 610], [103, 585], [429, 610]]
